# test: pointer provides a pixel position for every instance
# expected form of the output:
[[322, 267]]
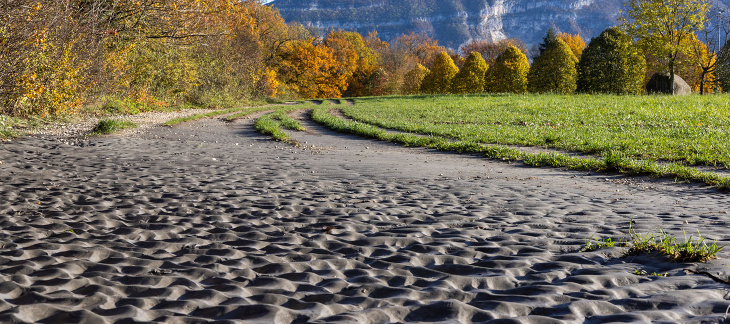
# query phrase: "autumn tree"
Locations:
[[662, 26], [574, 42], [364, 74], [692, 63], [414, 78], [611, 64], [508, 73], [439, 79], [470, 78], [554, 69], [311, 70], [490, 51], [421, 47]]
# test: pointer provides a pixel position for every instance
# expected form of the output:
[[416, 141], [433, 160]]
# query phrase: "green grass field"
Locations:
[[692, 129]]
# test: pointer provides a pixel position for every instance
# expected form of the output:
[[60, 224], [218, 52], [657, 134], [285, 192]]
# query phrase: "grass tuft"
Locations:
[[592, 245], [691, 250], [108, 126]]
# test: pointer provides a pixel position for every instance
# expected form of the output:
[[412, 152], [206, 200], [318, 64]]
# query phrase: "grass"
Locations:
[[592, 245], [108, 126], [272, 123], [691, 250], [690, 129], [176, 121], [609, 161], [6, 128]]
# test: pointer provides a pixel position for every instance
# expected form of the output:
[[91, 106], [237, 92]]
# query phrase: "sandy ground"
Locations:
[[212, 222]]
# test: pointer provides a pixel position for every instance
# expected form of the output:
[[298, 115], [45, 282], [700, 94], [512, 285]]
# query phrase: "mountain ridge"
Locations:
[[455, 22]]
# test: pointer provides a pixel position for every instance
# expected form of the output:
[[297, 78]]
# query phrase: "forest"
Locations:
[[111, 56]]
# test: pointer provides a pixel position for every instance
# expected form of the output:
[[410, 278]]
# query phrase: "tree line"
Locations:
[[61, 56]]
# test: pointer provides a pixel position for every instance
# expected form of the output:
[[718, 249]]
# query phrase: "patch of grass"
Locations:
[[176, 121], [690, 250], [271, 124], [612, 161], [641, 272], [592, 245], [108, 126], [6, 127], [690, 129]]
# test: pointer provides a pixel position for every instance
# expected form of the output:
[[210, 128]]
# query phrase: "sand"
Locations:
[[212, 222]]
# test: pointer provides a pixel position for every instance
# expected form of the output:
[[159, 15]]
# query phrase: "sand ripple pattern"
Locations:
[[213, 223]]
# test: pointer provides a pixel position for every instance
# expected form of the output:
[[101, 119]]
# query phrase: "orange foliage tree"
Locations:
[[311, 70], [574, 42]]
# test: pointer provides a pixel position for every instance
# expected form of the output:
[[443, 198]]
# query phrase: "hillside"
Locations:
[[454, 22]]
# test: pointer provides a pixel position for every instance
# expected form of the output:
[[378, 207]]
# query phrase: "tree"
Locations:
[[490, 51], [693, 64], [508, 73], [723, 67], [439, 79], [661, 26], [553, 70], [611, 64], [311, 70], [425, 49], [414, 78], [470, 78], [575, 42]]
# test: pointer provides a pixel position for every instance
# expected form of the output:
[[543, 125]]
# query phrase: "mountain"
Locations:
[[454, 22]]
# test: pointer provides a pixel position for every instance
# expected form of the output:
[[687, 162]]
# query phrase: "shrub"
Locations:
[[611, 64], [554, 69], [439, 79], [509, 72], [470, 78]]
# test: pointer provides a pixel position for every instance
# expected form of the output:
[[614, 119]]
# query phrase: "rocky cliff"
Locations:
[[454, 22]]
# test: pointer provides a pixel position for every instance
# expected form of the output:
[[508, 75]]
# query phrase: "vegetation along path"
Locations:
[[210, 220]]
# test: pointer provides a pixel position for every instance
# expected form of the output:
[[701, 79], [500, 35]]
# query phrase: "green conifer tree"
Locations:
[[509, 72], [470, 78], [439, 79], [554, 69], [611, 64]]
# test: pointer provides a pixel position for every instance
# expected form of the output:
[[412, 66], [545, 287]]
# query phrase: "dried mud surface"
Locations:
[[211, 222]]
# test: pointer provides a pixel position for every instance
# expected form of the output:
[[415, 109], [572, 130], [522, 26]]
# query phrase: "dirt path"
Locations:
[[210, 221]]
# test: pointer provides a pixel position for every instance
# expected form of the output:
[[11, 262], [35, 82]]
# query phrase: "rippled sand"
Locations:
[[209, 221]]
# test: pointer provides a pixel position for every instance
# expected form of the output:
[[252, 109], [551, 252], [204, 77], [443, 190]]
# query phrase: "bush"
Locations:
[[509, 72], [611, 64], [439, 79], [554, 69], [470, 78]]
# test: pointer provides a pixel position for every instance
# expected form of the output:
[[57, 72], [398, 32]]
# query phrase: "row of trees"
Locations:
[[59, 56], [610, 64]]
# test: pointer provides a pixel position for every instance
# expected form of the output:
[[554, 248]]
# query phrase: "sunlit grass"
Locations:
[[610, 161], [272, 123], [690, 129], [109, 126]]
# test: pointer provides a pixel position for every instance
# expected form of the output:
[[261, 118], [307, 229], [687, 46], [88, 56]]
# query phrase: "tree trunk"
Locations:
[[702, 81], [671, 76]]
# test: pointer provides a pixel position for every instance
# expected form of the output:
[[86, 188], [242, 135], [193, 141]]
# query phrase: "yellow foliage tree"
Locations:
[[311, 70], [470, 78], [414, 78], [509, 72], [574, 42], [439, 79]]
